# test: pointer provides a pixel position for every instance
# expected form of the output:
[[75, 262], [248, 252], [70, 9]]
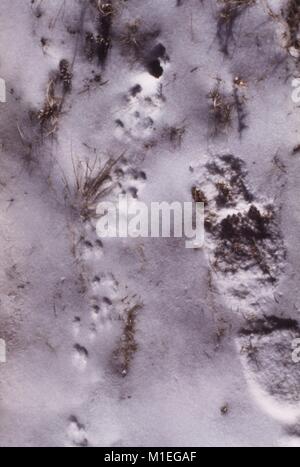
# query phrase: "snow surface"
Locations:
[[194, 375]]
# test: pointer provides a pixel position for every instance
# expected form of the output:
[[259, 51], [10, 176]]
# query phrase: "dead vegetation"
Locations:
[[225, 107], [49, 114], [93, 180], [134, 39], [128, 346], [220, 111], [98, 42], [65, 75], [230, 12], [58, 86]]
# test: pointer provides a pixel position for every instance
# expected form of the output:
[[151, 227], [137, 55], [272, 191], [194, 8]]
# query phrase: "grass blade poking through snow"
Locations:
[[92, 182]]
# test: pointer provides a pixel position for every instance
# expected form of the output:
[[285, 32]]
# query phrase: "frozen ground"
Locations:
[[143, 342]]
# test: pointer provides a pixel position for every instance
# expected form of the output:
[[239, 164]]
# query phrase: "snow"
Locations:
[[142, 342]]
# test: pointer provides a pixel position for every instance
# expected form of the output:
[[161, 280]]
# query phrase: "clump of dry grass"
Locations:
[[230, 11], [225, 107], [128, 345], [65, 75], [220, 110], [98, 43], [58, 86], [92, 182], [90, 46], [49, 114]]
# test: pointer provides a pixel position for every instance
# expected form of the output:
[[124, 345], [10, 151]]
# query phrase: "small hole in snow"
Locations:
[[136, 90], [155, 69]]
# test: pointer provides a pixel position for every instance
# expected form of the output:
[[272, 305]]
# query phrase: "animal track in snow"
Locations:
[[108, 300], [92, 248], [139, 117], [131, 180], [265, 346], [76, 326], [243, 239], [76, 433], [154, 62], [80, 357], [104, 332], [247, 254]]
